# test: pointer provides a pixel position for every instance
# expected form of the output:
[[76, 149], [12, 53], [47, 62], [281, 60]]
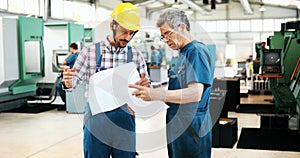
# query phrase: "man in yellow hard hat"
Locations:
[[110, 133]]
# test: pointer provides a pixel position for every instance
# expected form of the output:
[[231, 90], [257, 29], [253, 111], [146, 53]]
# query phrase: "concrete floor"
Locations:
[[57, 134]]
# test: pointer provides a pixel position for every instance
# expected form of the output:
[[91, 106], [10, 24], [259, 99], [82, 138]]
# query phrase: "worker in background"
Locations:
[[162, 53], [188, 95], [155, 56], [110, 133], [249, 67], [69, 61], [259, 48]]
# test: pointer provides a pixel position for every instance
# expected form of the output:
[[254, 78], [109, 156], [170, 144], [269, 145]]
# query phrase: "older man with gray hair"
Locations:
[[188, 93]]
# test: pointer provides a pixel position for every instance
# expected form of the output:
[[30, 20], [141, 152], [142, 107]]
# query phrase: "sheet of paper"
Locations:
[[109, 90]]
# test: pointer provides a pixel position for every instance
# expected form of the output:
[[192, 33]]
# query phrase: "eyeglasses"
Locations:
[[123, 31], [162, 38]]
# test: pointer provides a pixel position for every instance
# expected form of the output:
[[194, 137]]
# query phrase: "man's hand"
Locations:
[[68, 77], [143, 81], [130, 110], [148, 94]]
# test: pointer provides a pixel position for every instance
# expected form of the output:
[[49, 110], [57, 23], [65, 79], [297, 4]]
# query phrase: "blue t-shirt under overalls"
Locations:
[[189, 125]]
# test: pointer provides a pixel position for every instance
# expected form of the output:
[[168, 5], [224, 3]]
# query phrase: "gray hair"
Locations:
[[174, 17]]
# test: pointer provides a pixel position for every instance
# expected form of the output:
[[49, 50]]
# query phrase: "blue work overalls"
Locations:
[[189, 125], [110, 133]]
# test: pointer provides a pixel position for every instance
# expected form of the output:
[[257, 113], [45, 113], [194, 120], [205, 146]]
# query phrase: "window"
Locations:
[[233, 26], [211, 26], [256, 25], [57, 9], [77, 11], [32, 7], [245, 25], [42, 8], [3, 4], [222, 26], [268, 25], [277, 24], [16, 6]]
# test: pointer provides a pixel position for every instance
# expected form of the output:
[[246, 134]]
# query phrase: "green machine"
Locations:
[[57, 39], [279, 64], [21, 59], [31, 54], [88, 36]]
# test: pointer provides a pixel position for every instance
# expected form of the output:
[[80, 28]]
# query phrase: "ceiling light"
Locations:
[[262, 8], [176, 6], [189, 12]]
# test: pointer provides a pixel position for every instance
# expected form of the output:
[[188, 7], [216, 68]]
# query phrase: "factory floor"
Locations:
[[57, 134]]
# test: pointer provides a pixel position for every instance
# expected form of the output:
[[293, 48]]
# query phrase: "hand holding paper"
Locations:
[[143, 81], [109, 90]]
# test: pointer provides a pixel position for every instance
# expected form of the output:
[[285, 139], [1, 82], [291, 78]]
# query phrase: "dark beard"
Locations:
[[123, 41]]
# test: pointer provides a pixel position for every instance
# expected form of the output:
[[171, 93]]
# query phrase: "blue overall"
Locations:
[[189, 125], [111, 133]]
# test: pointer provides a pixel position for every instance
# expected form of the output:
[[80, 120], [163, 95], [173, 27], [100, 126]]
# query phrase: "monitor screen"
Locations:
[[241, 64], [272, 58], [271, 62], [60, 58]]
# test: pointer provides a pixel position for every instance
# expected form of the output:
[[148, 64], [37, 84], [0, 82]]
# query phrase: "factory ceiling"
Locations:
[[200, 7], [201, 3]]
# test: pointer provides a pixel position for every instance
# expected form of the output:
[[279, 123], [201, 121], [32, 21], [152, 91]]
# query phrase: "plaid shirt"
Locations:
[[86, 61]]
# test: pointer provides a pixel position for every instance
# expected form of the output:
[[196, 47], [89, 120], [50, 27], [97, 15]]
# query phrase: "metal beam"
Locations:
[[246, 6], [196, 7]]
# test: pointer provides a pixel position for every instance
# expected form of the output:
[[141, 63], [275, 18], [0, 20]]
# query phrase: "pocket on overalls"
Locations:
[[129, 119]]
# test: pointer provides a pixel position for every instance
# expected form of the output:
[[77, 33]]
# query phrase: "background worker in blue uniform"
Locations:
[[155, 56], [188, 94], [110, 133], [69, 61]]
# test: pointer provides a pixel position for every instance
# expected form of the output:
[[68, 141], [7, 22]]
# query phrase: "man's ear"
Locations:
[[111, 25], [182, 27]]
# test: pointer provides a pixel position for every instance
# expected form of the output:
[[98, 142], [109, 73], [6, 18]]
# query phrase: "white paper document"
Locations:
[[109, 90]]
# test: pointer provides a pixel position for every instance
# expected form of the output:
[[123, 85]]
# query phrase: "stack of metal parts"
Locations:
[[260, 84]]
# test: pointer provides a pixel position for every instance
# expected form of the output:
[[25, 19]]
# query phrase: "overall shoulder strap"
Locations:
[[129, 55], [98, 57]]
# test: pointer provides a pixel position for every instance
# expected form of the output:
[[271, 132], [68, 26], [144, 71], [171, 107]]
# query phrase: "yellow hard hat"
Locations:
[[127, 15]]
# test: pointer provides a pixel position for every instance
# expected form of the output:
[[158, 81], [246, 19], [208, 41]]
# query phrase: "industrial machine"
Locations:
[[280, 63], [28, 67], [88, 36], [57, 39], [22, 59]]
